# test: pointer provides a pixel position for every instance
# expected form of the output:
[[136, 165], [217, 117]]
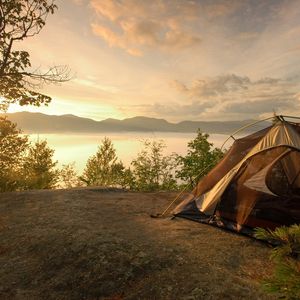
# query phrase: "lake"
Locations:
[[79, 147]]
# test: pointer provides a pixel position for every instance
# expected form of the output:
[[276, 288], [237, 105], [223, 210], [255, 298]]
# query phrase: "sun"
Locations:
[[13, 108]]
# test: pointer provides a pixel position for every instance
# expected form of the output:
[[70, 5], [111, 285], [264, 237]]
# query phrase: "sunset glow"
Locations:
[[178, 60]]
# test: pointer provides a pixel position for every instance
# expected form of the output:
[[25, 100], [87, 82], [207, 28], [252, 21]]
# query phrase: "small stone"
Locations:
[[169, 288]]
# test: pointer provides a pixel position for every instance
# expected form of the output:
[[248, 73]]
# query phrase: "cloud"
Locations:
[[78, 2], [233, 96], [268, 105], [188, 40], [212, 87], [247, 35], [136, 26], [221, 8]]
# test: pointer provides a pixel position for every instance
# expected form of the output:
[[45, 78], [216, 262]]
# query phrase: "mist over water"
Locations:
[[78, 148]]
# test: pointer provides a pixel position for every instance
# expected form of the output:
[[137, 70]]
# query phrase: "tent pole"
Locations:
[[244, 127], [290, 117], [183, 190], [175, 199]]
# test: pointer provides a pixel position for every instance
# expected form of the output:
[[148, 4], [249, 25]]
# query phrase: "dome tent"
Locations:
[[256, 184]]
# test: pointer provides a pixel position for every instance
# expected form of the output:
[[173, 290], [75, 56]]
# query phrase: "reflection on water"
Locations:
[[73, 147]]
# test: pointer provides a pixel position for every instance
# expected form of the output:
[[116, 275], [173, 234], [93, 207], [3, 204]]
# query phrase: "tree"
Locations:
[[200, 159], [39, 170], [127, 179], [22, 165], [13, 147], [103, 168], [152, 170], [19, 20], [69, 177]]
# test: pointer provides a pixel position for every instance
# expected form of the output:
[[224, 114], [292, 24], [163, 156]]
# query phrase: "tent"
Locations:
[[256, 184]]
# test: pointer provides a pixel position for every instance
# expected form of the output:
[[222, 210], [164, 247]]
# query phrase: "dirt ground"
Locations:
[[102, 244]]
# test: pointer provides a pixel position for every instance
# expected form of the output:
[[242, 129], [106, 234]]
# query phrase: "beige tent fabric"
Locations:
[[282, 134], [207, 202], [258, 182]]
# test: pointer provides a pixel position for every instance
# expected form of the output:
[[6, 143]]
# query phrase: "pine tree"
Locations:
[[103, 168], [39, 168], [13, 146]]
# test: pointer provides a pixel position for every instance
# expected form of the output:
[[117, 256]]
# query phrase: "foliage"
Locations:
[[26, 166], [103, 168], [151, 170], [200, 159], [12, 151], [19, 20], [127, 179], [69, 177], [286, 278], [39, 170], [22, 165]]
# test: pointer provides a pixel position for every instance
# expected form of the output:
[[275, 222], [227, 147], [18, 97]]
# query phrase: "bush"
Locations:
[[151, 170], [68, 177], [200, 159], [286, 255]]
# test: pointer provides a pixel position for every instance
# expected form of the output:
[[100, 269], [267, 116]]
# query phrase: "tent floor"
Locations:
[[214, 221]]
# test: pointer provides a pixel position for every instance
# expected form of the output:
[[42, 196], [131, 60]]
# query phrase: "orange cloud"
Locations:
[[136, 26], [221, 8]]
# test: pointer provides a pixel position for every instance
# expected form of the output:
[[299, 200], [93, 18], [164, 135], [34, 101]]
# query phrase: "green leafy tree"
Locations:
[[103, 168], [200, 159], [69, 177], [286, 255], [13, 147], [39, 169], [127, 179], [19, 20], [152, 170]]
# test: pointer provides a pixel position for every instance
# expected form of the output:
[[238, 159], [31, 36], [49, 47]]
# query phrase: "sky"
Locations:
[[172, 59]]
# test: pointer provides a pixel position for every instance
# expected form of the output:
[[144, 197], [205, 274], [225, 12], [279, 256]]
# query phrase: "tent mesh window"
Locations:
[[265, 192]]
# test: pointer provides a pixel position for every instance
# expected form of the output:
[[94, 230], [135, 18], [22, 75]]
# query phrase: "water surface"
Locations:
[[79, 147]]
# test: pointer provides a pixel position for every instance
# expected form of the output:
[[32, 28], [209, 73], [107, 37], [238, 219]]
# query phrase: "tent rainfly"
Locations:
[[256, 184]]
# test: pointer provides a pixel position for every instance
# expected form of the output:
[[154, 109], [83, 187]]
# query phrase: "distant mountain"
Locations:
[[42, 123]]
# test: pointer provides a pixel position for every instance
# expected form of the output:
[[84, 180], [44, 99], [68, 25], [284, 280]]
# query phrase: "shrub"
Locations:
[[152, 170], [200, 159], [286, 255], [68, 177]]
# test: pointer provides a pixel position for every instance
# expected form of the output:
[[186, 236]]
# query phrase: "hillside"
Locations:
[[42, 123], [102, 244]]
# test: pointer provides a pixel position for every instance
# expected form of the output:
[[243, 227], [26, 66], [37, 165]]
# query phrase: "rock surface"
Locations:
[[102, 244]]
